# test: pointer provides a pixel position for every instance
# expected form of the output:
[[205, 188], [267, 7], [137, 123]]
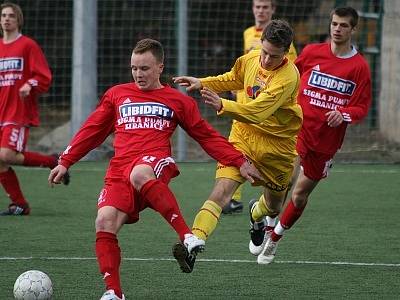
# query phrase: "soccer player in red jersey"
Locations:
[[24, 75], [335, 91], [143, 115]]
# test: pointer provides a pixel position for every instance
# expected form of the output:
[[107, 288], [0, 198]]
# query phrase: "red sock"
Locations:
[[35, 159], [109, 259], [162, 200], [290, 215], [10, 182]]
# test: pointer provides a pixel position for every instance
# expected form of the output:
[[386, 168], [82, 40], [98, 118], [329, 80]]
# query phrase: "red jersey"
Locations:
[[144, 121], [331, 83], [21, 61]]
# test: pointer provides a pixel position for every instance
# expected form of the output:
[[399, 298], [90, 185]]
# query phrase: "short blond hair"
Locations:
[[155, 47]]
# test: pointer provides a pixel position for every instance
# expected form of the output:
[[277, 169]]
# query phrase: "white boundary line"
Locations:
[[333, 170], [365, 171], [299, 262]]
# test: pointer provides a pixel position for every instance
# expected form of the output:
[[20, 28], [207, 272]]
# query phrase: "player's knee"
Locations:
[[299, 199], [105, 222], [220, 195], [139, 179], [140, 175], [7, 157]]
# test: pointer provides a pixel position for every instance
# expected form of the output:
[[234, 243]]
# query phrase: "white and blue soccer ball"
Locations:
[[33, 285]]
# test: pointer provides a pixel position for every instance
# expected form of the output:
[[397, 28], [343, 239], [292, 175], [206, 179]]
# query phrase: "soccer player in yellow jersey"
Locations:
[[265, 126], [263, 10]]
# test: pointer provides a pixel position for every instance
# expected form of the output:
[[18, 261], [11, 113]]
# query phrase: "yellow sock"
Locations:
[[237, 196], [261, 210], [206, 219]]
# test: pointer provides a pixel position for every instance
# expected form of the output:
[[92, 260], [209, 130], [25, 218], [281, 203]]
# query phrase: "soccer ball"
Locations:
[[33, 285]]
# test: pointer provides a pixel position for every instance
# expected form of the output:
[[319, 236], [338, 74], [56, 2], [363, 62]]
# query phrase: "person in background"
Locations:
[[24, 75]]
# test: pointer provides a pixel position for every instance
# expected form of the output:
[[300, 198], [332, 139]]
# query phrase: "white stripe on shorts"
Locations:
[[161, 164], [20, 141]]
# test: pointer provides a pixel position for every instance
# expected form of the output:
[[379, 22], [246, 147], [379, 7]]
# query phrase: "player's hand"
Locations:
[[334, 118], [191, 83], [249, 171], [211, 98], [25, 90], [56, 175]]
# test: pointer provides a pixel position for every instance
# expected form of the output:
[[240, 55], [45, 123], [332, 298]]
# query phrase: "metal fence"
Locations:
[[214, 41]]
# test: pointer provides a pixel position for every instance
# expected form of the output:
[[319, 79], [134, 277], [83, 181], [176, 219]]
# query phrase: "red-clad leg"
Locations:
[[9, 181], [290, 215], [35, 159], [109, 259], [162, 200]]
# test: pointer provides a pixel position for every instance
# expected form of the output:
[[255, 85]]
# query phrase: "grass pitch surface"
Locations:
[[345, 246]]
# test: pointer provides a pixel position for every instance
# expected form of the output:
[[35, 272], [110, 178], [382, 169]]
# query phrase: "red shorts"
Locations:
[[118, 192], [315, 165], [14, 137]]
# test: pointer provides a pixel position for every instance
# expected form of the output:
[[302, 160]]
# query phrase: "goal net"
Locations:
[[215, 40]]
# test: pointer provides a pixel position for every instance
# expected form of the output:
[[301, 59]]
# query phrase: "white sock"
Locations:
[[279, 230]]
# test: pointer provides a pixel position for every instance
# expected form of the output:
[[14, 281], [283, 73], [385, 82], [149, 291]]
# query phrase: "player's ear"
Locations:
[[161, 67]]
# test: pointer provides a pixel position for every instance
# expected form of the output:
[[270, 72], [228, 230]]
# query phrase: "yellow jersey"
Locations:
[[270, 103]]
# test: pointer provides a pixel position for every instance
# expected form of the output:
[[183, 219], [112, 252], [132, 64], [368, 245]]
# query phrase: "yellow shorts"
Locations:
[[273, 156]]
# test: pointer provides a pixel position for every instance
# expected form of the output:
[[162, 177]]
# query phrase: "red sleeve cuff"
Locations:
[[64, 163], [241, 161]]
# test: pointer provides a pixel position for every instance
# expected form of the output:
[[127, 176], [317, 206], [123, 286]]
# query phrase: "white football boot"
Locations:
[[110, 295], [256, 250], [192, 242], [257, 233], [185, 253], [267, 254]]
